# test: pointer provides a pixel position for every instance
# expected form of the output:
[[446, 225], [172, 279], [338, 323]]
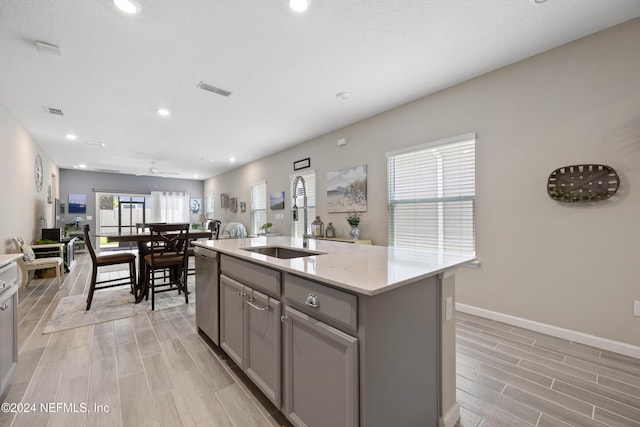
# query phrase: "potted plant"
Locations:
[[266, 227], [353, 218]]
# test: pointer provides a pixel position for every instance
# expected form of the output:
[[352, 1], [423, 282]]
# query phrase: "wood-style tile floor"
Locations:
[[155, 370], [509, 376]]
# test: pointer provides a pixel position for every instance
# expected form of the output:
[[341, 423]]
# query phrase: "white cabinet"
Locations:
[[250, 334], [320, 371], [8, 324], [207, 313]]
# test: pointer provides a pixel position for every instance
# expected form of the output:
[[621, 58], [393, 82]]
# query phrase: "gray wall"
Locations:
[[86, 182], [569, 266]]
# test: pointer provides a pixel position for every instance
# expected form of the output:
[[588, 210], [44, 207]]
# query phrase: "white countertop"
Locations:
[[364, 269], [7, 258]]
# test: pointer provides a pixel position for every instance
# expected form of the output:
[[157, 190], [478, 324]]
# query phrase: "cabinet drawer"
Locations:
[[8, 276], [320, 301], [258, 277]]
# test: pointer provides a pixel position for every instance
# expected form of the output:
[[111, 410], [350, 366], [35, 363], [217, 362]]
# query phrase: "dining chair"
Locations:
[[170, 254], [214, 226], [106, 260]]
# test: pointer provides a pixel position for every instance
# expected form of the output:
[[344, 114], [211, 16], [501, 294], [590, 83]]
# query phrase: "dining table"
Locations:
[[142, 239]]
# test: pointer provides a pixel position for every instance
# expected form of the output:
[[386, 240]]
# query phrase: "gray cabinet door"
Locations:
[[263, 344], [320, 371], [207, 294], [232, 319], [8, 336]]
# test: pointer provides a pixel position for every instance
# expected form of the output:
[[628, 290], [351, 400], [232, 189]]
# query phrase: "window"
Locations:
[[258, 206], [310, 184], [432, 196], [169, 206]]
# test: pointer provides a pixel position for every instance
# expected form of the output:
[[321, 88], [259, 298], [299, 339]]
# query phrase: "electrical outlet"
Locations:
[[448, 308], [636, 308]]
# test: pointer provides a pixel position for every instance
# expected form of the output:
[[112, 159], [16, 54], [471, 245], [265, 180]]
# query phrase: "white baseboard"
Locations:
[[452, 416], [568, 334]]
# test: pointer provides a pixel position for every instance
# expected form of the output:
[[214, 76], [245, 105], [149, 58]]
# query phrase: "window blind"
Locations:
[[258, 206], [431, 199], [310, 181]]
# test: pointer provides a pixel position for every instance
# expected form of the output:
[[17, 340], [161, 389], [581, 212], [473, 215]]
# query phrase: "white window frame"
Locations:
[[431, 196], [258, 206]]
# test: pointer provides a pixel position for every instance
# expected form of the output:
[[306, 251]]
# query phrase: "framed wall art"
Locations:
[[347, 189], [276, 201]]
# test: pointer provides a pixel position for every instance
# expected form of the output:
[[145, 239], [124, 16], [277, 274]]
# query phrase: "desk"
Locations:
[[65, 250], [142, 239]]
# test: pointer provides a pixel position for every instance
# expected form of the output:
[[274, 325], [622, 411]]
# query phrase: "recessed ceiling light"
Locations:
[[81, 166], [232, 159], [163, 112], [299, 5], [96, 143], [71, 136], [342, 95], [128, 6]]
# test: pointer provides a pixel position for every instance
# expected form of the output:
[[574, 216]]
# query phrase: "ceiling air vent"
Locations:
[[56, 111], [210, 88], [106, 170]]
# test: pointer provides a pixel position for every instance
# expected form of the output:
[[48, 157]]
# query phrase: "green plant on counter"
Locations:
[[353, 218], [266, 227]]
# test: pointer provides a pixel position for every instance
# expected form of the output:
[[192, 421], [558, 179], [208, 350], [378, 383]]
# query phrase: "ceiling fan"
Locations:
[[155, 171]]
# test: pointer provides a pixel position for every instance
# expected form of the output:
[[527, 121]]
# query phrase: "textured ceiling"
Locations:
[[283, 69]]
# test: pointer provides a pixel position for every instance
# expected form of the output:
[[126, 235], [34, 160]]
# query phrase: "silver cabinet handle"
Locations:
[[312, 301], [4, 307], [4, 285], [283, 318], [251, 304]]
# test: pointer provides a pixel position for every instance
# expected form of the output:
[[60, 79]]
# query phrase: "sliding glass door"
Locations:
[[120, 213]]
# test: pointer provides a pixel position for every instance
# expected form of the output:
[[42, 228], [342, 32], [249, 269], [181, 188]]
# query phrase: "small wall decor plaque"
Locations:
[[582, 183], [302, 164], [224, 200]]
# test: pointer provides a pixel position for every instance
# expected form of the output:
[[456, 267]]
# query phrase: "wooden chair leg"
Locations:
[[153, 291], [132, 276], [92, 287], [59, 275]]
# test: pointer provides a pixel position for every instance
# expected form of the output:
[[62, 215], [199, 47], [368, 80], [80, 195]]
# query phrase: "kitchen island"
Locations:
[[335, 334]]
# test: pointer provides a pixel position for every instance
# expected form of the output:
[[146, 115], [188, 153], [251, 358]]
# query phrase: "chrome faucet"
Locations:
[[297, 179]]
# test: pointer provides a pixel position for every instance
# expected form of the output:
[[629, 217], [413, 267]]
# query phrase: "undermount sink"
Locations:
[[282, 252]]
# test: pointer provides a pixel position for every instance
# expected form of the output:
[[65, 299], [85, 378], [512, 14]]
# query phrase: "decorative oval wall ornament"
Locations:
[[583, 183]]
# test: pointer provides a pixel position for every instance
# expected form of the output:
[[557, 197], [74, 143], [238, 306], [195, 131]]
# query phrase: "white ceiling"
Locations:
[[283, 69]]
